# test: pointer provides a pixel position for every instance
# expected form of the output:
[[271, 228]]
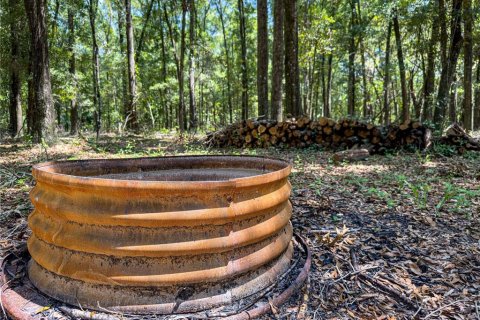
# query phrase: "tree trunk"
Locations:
[[328, 95], [452, 102], [429, 82], [74, 123], [442, 20], [450, 65], [15, 110], [467, 65], [277, 60], [41, 109], [367, 112], [351, 61], [163, 73], [323, 80], [144, 28], [244, 70], [227, 61], [55, 19], [386, 79], [292, 77], [122, 66], [132, 122], [262, 58], [401, 67], [417, 107], [476, 108], [179, 63], [191, 62], [97, 100]]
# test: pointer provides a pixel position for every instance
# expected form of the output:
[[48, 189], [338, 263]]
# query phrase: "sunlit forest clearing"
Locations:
[[375, 104]]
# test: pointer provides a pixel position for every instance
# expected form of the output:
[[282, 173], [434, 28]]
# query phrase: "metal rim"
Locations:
[[45, 172]]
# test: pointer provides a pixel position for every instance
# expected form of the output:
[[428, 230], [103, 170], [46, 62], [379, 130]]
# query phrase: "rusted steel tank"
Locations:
[[163, 235]]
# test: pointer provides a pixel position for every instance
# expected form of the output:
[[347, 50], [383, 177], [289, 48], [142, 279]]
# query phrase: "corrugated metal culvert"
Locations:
[[163, 235]]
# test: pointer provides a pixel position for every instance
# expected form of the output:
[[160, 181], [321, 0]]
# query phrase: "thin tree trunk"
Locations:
[[367, 112], [450, 65], [442, 20], [452, 103], [191, 62], [244, 69], [312, 83], [97, 100], [351, 61], [41, 109], [401, 67], [262, 58], [467, 65], [277, 60], [163, 73], [179, 63], [328, 96], [132, 122], [386, 79], [144, 28], [366, 97], [227, 60], [429, 82], [122, 53], [323, 81], [55, 19], [74, 123], [293, 104], [16, 122], [416, 104], [476, 107]]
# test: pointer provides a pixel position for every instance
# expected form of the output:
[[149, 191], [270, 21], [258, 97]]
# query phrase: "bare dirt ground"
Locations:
[[393, 237]]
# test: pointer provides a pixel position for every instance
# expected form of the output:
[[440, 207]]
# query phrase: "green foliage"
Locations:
[[324, 30]]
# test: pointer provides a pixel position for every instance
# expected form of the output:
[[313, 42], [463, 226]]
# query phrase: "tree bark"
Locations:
[[386, 79], [179, 58], [262, 59], [367, 112], [293, 104], [467, 66], [15, 110], [328, 96], [450, 65], [227, 60], [132, 122], [351, 61], [476, 108], [55, 19], [367, 109], [191, 62], [277, 59], [144, 28], [401, 67], [244, 69], [429, 82], [41, 109], [452, 102], [97, 99], [74, 123], [163, 74], [122, 53]]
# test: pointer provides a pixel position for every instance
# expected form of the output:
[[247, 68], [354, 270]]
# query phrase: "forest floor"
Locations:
[[393, 237]]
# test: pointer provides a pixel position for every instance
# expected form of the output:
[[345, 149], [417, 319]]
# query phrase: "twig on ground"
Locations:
[[443, 307]]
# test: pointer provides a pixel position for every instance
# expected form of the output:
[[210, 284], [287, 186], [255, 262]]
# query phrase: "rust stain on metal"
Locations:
[[164, 235]]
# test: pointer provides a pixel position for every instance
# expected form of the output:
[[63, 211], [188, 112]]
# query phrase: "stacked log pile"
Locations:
[[303, 132], [457, 136]]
